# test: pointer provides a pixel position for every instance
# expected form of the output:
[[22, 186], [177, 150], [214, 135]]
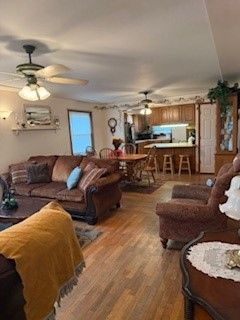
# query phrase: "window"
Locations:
[[80, 128]]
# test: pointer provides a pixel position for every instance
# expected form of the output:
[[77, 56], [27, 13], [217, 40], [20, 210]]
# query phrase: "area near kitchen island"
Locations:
[[175, 149]]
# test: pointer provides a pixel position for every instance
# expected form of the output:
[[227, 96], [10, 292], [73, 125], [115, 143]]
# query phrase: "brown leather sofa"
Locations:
[[100, 196]]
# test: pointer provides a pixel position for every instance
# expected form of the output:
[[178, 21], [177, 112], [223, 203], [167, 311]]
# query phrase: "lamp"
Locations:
[[4, 114], [146, 110], [33, 92]]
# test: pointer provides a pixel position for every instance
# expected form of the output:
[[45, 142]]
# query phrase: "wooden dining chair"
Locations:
[[129, 148], [90, 151], [149, 166], [107, 153]]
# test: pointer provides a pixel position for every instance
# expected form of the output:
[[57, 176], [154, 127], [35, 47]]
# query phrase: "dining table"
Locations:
[[131, 164]]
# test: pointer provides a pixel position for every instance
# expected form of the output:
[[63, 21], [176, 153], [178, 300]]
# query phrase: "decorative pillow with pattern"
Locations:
[[18, 172], [89, 177]]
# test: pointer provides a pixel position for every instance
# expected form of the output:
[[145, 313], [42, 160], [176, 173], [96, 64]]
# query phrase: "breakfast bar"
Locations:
[[174, 149]]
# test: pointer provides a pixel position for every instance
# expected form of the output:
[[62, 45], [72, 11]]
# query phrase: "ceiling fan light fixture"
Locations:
[[33, 92], [146, 110]]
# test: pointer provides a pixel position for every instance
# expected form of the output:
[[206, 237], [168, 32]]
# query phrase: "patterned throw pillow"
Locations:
[[89, 177], [18, 172], [38, 173]]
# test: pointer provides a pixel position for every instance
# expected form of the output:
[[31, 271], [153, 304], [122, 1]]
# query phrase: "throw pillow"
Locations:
[[74, 177], [18, 172], [89, 177], [38, 173]]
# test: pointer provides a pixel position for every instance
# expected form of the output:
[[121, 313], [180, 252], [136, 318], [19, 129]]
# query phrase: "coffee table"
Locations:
[[26, 207]]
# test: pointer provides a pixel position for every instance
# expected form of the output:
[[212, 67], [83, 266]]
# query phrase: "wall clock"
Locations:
[[112, 123]]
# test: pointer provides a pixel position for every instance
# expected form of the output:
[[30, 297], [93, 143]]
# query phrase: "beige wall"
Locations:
[[15, 148]]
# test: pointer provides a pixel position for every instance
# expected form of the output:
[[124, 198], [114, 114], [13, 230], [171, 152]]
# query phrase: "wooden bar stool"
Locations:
[[168, 163], [184, 164]]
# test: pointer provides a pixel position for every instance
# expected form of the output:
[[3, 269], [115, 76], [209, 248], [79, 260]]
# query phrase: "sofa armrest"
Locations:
[[102, 195], [6, 177], [105, 182], [184, 212], [199, 192]]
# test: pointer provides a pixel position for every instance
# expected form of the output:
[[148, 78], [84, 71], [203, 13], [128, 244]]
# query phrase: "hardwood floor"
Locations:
[[128, 275]]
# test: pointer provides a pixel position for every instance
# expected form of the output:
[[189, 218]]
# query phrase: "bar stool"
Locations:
[[184, 164], [168, 163]]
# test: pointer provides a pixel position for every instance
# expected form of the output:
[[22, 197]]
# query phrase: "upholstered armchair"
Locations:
[[194, 208]]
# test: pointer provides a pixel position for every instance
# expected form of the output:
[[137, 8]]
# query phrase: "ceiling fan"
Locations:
[[35, 73], [143, 104]]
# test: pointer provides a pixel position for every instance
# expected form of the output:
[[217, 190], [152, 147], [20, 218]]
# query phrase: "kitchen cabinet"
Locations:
[[166, 115], [155, 117], [174, 114], [188, 113], [164, 111]]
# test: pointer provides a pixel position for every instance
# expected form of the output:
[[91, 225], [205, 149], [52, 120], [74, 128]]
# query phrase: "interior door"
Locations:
[[207, 137]]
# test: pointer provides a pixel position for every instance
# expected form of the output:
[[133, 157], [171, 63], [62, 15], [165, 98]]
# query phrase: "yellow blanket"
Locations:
[[48, 258]]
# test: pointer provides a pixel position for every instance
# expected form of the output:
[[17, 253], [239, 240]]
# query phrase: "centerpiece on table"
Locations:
[[8, 201], [117, 142]]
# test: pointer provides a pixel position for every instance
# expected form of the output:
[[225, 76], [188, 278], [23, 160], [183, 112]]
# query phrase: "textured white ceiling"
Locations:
[[122, 47]]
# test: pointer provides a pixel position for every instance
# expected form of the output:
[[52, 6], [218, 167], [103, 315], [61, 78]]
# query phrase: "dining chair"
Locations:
[[90, 151], [149, 165], [129, 148], [107, 153]]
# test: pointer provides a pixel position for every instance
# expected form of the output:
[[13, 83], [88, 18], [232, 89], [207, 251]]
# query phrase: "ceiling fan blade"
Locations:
[[16, 75], [52, 70], [72, 81]]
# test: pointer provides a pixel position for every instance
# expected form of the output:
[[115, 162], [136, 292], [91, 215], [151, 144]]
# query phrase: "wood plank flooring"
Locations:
[[128, 275]]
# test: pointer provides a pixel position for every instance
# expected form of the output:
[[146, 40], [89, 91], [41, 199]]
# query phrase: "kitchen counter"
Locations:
[[170, 145], [175, 149], [150, 140]]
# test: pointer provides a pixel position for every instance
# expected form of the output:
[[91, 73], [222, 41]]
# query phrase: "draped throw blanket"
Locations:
[[48, 258]]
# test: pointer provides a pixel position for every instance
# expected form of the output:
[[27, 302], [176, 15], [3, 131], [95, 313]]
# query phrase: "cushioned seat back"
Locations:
[[63, 167], [110, 165], [221, 185], [50, 160]]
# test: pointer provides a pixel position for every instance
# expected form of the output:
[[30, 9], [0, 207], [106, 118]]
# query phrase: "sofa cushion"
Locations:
[[63, 167], [18, 172], [75, 195], [89, 177], [23, 189], [110, 165], [50, 160], [38, 173], [74, 177], [49, 190], [189, 201]]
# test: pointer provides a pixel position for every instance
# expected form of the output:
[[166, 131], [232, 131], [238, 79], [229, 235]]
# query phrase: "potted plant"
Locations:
[[222, 93]]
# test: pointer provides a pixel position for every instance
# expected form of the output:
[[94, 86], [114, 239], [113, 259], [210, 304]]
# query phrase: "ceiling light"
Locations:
[[5, 114], [33, 92], [146, 110]]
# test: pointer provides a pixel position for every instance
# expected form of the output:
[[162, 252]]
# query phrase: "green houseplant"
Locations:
[[222, 93]]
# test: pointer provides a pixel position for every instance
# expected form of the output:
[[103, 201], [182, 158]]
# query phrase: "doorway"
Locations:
[[207, 137]]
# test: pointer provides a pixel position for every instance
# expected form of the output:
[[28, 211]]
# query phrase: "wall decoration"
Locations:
[[37, 116], [112, 123]]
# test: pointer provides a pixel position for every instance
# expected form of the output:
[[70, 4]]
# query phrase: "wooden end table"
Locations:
[[207, 297], [26, 207]]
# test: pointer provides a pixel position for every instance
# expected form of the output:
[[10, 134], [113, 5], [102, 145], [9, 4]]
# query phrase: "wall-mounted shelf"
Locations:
[[18, 130]]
